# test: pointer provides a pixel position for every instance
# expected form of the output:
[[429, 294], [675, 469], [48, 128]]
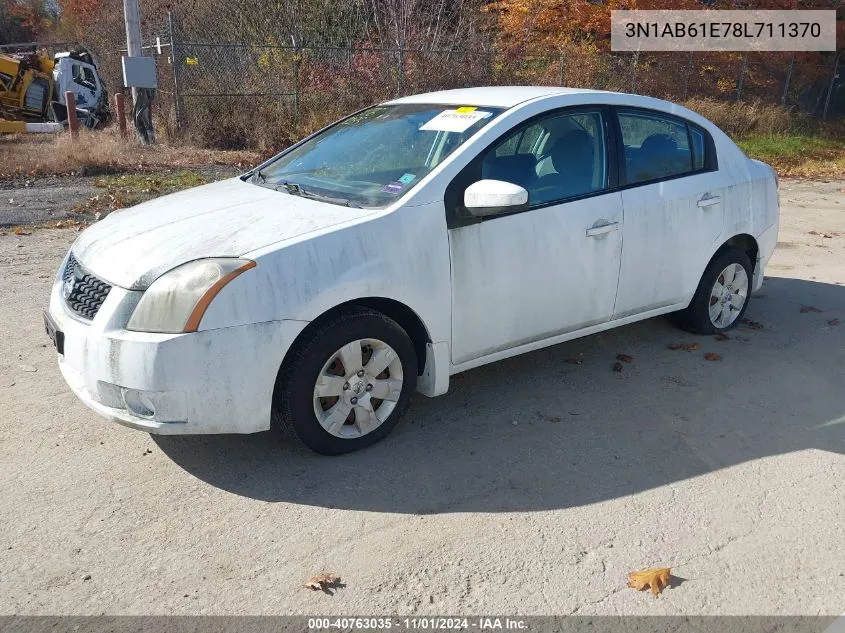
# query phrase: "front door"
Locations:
[[551, 269]]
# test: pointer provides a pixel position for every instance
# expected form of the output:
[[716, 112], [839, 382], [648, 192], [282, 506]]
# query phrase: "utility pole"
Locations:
[[132, 17], [142, 76]]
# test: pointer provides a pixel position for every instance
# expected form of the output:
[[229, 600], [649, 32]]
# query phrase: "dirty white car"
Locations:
[[405, 243]]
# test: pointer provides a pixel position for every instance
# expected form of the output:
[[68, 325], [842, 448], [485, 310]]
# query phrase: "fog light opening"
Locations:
[[139, 403]]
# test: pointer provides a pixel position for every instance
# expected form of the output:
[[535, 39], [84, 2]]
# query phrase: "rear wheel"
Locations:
[[722, 296], [348, 382]]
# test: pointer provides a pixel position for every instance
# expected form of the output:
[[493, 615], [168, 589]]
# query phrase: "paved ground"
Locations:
[[531, 488]]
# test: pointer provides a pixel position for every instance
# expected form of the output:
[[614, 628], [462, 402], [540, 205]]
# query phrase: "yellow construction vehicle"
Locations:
[[32, 89]]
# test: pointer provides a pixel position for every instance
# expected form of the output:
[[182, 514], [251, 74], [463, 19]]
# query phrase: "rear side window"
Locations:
[[698, 147], [657, 146]]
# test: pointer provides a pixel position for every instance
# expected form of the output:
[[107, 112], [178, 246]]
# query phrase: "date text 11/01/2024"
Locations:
[[423, 623]]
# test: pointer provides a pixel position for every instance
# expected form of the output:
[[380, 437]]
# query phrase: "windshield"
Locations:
[[375, 156]]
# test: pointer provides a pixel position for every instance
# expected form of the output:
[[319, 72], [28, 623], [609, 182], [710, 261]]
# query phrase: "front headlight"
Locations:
[[176, 301]]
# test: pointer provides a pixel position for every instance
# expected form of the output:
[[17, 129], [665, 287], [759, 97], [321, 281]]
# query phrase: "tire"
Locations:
[[697, 316], [325, 354]]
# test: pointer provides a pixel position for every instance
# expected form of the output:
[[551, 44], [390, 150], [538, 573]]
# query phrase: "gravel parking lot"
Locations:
[[533, 487]]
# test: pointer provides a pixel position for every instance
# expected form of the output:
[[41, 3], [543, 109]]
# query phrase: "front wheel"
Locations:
[[722, 296], [348, 382]]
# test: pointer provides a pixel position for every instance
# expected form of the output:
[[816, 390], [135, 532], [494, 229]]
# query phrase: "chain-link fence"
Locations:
[[265, 94]]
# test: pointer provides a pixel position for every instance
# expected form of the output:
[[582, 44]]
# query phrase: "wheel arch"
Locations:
[[406, 317], [741, 241]]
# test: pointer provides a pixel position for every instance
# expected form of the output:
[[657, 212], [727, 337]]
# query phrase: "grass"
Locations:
[[798, 155], [104, 152], [126, 190], [793, 143]]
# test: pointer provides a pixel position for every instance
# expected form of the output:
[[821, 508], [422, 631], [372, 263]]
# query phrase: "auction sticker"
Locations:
[[458, 120]]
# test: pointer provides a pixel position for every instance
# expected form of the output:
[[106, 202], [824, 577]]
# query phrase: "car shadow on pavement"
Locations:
[[559, 427]]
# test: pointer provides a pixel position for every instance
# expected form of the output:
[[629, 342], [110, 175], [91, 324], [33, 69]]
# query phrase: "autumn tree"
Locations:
[[24, 20]]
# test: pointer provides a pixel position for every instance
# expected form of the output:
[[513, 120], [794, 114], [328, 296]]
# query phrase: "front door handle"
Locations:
[[708, 201], [602, 229]]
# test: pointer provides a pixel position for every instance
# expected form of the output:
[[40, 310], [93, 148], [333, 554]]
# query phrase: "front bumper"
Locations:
[[211, 381]]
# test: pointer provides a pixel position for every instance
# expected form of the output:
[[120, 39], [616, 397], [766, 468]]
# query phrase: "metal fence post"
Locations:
[[176, 67], [560, 67], [295, 69], [686, 78], [400, 69], [833, 77], [488, 62], [634, 71], [741, 77], [787, 80]]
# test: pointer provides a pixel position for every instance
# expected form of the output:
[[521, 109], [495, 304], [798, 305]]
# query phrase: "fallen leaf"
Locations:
[[833, 322], [20, 231], [573, 361], [617, 367], [720, 336], [806, 309], [687, 347], [657, 579], [322, 582], [625, 358], [712, 356], [754, 325]]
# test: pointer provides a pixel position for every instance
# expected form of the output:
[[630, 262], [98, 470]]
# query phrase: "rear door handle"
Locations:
[[708, 201], [603, 229]]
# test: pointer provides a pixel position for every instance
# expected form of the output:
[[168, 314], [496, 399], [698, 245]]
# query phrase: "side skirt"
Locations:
[[562, 338]]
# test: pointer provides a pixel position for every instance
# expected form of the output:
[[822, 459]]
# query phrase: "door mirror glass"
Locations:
[[491, 197]]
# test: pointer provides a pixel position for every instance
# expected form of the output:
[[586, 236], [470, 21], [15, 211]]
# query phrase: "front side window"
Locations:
[[558, 157], [655, 146], [375, 156]]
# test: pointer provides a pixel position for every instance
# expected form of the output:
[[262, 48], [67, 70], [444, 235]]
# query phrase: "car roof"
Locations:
[[493, 96]]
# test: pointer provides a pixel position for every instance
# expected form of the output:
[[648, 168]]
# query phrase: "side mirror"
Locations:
[[491, 197]]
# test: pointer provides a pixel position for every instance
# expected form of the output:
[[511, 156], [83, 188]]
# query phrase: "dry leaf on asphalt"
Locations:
[[754, 325], [617, 367], [20, 231], [322, 582], [625, 358], [806, 309], [657, 579], [712, 356], [719, 336], [833, 322], [687, 347]]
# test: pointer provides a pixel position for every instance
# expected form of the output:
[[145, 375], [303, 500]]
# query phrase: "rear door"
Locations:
[[531, 275], [673, 199]]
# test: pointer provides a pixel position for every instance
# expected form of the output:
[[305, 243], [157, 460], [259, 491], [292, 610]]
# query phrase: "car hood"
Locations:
[[132, 247]]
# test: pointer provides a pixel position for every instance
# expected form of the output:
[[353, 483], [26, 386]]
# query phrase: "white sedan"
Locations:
[[405, 243]]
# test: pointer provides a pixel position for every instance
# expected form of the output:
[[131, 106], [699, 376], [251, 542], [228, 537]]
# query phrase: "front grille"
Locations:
[[83, 293]]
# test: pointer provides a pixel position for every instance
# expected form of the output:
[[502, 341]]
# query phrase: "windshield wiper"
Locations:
[[259, 177], [296, 190]]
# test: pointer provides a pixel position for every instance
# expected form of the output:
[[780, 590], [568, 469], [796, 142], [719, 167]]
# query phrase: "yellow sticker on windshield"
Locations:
[[466, 109]]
